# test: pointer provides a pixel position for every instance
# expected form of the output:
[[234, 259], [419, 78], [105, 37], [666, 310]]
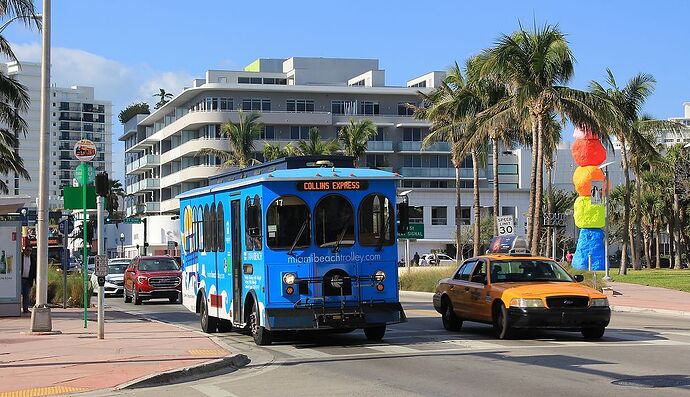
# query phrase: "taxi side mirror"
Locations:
[[579, 278]]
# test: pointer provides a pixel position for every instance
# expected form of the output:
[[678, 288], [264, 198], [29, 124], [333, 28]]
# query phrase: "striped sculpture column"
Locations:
[[588, 153]]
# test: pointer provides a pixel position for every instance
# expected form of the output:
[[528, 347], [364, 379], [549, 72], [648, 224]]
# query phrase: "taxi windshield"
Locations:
[[517, 270]]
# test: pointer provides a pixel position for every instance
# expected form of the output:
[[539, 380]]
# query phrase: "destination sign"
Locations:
[[312, 186]]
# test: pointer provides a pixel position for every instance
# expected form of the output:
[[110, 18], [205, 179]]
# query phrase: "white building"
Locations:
[[75, 114]]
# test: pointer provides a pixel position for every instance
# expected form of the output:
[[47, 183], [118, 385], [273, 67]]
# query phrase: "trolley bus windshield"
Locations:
[[335, 222], [286, 217]]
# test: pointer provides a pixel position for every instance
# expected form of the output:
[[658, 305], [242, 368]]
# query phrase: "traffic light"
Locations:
[[102, 184]]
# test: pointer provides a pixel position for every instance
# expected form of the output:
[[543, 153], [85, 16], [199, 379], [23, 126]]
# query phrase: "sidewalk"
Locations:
[[641, 298], [77, 361]]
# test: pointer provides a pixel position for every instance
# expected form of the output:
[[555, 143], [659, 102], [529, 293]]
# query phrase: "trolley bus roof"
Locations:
[[298, 174]]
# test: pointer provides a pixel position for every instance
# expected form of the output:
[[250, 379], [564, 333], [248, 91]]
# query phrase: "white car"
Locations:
[[429, 260], [114, 281]]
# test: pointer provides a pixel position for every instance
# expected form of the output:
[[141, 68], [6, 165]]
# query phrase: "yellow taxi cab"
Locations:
[[509, 288]]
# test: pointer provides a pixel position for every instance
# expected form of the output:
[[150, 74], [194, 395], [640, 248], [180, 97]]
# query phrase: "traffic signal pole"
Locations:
[[85, 254], [101, 251]]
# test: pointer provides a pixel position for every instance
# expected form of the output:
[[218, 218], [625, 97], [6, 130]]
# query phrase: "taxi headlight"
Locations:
[[289, 278], [600, 302], [526, 302], [380, 275]]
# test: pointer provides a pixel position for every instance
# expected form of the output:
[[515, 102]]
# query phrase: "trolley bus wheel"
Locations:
[[375, 333], [208, 324], [261, 335]]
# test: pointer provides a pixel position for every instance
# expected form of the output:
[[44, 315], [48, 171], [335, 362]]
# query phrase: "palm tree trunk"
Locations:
[[475, 190], [552, 209], [538, 188], [638, 220], [494, 147], [647, 245], [671, 239], [679, 229], [626, 207], [656, 248], [458, 213], [533, 180]]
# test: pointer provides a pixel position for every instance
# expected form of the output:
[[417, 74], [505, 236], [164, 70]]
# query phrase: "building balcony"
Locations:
[[143, 164], [189, 174], [152, 207], [424, 172], [172, 205], [144, 185], [416, 146], [194, 145], [380, 146]]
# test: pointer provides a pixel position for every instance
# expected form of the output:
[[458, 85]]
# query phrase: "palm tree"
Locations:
[[273, 151], [622, 117], [354, 137], [552, 129], [241, 138], [115, 192], [14, 98], [535, 66], [165, 97], [315, 145]]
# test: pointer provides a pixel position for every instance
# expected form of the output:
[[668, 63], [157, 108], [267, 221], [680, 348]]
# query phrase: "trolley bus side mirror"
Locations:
[[403, 216]]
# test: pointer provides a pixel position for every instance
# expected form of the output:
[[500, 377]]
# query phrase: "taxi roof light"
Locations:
[[508, 244]]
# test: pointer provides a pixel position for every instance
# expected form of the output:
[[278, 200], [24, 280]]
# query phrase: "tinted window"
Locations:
[[479, 274], [117, 268], [220, 229], [149, 265], [285, 218], [376, 220], [335, 222]]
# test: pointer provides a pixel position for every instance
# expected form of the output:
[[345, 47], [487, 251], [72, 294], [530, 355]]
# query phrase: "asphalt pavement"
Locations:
[[641, 354]]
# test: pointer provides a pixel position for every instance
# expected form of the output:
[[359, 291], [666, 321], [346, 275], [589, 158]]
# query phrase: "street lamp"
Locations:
[[122, 245], [605, 167], [37, 17]]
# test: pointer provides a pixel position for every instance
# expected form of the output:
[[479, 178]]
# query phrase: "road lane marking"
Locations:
[[213, 391], [42, 391]]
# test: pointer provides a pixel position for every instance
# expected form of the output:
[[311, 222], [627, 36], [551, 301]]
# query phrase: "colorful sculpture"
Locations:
[[588, 153]]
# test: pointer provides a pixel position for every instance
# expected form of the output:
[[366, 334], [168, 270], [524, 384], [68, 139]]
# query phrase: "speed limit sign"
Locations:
[[505, 225]]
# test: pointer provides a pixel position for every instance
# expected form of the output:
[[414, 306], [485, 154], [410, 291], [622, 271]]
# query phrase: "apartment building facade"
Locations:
[[75, 114]]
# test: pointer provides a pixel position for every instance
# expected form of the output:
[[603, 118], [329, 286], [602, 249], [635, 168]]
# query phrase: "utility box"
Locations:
[[10, 268]]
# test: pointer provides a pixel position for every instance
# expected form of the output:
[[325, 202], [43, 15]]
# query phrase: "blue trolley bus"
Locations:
[[294, 244]]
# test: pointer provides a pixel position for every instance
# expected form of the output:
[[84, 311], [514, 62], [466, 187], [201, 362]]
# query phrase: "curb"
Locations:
[[221, 366], [649, 310]]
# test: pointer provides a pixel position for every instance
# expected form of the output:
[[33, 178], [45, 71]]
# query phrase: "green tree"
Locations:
[[536, 65], [165, 97], [240, 138], [112, 200], [315, 145], [132, 110], [354, 137], [14, 98], [273, 151]]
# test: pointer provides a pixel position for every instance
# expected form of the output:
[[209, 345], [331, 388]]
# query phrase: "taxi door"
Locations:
[[459, 286], [478, 294]]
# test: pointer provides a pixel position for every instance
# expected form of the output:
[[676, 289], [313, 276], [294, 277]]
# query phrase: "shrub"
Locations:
[[75, 289], [423, 278]]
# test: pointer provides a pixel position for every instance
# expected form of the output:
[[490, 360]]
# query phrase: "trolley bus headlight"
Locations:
[[289, 278], [380, 275]]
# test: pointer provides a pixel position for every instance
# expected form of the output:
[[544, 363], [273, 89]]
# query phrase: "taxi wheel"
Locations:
[[593, 333], [501, 327], [451, 321]]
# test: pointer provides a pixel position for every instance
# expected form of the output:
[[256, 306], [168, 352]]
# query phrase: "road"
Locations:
[[421, 358]]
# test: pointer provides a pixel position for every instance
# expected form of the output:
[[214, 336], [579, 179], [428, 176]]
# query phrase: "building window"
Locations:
[[412, 134], [412, 160], [268, 132], [376, 160], [508, 211], [263, 105], [404, 110], [222, 80], [438, 184], [299, 132], [465, 215], [421, 84], [439, 161], [379, 137], [300, 105], [358, 83], [411, 183], [416, 214], [342, 107], [367, 107], [507, 169], [439, 215]]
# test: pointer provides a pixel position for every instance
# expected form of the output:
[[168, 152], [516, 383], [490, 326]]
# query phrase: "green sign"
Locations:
[[84, 170], [132, 219], [414, 231], [74, 198]]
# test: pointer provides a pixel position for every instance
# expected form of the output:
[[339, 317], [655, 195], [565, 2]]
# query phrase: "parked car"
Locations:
[[149, 277], [430, 260], [114, 281]]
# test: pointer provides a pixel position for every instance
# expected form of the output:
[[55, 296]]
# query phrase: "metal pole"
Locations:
[[606, 224], [40, 317], [85, 253], [407, 255], [65, 267], [554, 233], [101, 251]]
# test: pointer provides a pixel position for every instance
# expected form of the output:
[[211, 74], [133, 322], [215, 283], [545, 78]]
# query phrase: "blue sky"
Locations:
[[129, 48]]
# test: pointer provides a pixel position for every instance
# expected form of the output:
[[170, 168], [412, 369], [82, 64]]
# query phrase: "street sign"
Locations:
[[84, 150], [132, 219], [85, 169], [554, 219], [73, 198], [414, 231], [101, 269], [66, 223], [505, 225]]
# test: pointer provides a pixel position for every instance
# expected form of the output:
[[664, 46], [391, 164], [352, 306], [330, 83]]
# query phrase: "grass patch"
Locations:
[[423, 278], [663, 278]]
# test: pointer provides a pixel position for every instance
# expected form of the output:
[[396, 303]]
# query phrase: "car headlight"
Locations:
[[379, 276], [526, 302], [141, 279], [600, 302], [289, 278]]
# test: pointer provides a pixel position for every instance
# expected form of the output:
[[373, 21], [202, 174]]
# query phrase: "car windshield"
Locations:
[[117, 268], [518, 270], [148, 265]]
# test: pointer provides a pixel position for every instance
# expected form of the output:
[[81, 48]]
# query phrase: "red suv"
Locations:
[[152, 277]]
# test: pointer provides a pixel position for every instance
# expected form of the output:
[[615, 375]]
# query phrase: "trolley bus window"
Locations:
[[220, 228], [376, 221], [252, 222], [286, 216], [335, 222]]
